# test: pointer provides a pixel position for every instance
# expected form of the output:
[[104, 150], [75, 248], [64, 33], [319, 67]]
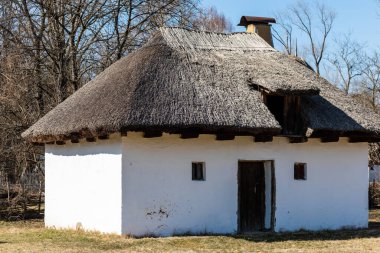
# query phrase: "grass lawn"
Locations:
[[30, 236]]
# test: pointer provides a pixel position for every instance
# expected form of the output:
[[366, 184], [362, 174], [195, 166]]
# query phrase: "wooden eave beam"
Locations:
[[326, 134], [60, 142], [152, 134], [103, 137], [297, 139], [38, 144], [357, 139], [263, 138], [91, 139], [189, 135], [75, 140], [225, 137], [329, 139]]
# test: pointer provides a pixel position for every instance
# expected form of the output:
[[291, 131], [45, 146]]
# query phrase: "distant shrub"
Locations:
[[374, 194]]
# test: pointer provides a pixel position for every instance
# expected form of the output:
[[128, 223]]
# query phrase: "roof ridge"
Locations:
[[200, 31], [185, 38]]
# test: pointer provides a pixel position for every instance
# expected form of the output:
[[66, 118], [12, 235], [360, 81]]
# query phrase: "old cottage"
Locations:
[[207, 132]]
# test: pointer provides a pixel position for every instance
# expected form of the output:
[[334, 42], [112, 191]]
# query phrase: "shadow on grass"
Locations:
[[328, 235], [14, 210], [374, 225], [373, 231], [17, 215]]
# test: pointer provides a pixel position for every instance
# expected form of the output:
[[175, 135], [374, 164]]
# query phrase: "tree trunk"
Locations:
[[8, 190], [39, 197]]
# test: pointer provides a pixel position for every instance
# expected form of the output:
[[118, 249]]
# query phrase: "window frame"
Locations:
[[297, 175], [194, 172]]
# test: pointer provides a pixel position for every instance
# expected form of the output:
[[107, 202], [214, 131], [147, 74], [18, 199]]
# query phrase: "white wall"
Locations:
[[83, 185], [140, 186], [335, 194], [159, 196]]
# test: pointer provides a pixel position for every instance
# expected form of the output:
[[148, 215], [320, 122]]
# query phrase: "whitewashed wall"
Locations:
[[83, 185], [160, 198], [140, 186], [335, 194]]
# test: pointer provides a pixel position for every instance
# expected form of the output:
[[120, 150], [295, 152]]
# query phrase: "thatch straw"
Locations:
[[182, 80]]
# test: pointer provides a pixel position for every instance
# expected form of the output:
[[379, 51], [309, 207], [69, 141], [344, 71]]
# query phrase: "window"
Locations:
[[286, 110], [198, 171], [276, 107], [300, 171]]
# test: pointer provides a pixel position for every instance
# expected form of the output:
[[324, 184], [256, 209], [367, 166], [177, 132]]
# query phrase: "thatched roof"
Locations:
[[182, 80]]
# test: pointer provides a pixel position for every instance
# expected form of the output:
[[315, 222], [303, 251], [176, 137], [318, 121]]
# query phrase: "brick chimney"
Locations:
[[259, 25]]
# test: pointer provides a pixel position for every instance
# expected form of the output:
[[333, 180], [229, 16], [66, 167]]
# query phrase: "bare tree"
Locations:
[[283, 33], [133, 20], [49, 49], [314, 20], [70, 29], [347, 60], [213, 21], [18, 109], [371, 78], [76, 36]]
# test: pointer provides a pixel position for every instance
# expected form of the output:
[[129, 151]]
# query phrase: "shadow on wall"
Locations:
[[105, 147]]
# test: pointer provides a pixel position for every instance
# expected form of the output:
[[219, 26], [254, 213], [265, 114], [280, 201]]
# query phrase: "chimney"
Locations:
[[259, 25]]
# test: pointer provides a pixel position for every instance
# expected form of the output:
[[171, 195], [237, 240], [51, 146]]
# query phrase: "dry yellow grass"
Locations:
[[31, 236]]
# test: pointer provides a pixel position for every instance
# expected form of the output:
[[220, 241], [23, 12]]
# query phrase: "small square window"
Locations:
[[300, 171], [198, 171]]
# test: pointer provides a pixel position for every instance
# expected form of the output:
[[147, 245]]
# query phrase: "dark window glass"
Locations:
[[198, 171], [286, 110], [276, 107], [300, 171]]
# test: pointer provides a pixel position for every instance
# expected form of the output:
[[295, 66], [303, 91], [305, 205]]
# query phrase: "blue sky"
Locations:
[[359, 17]]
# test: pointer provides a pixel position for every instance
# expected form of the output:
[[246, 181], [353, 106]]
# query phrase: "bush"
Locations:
[[374, 194]]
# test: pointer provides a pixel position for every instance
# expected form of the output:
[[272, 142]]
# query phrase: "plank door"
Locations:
[[251, 191]]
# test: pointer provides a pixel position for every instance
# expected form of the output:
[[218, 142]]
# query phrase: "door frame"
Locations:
[[273, 193]]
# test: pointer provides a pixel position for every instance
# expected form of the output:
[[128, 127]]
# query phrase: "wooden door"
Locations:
[[251, 190]]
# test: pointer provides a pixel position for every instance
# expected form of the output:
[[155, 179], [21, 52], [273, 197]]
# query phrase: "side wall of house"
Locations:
[[83, 185], [159, 196], [335, 193]]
